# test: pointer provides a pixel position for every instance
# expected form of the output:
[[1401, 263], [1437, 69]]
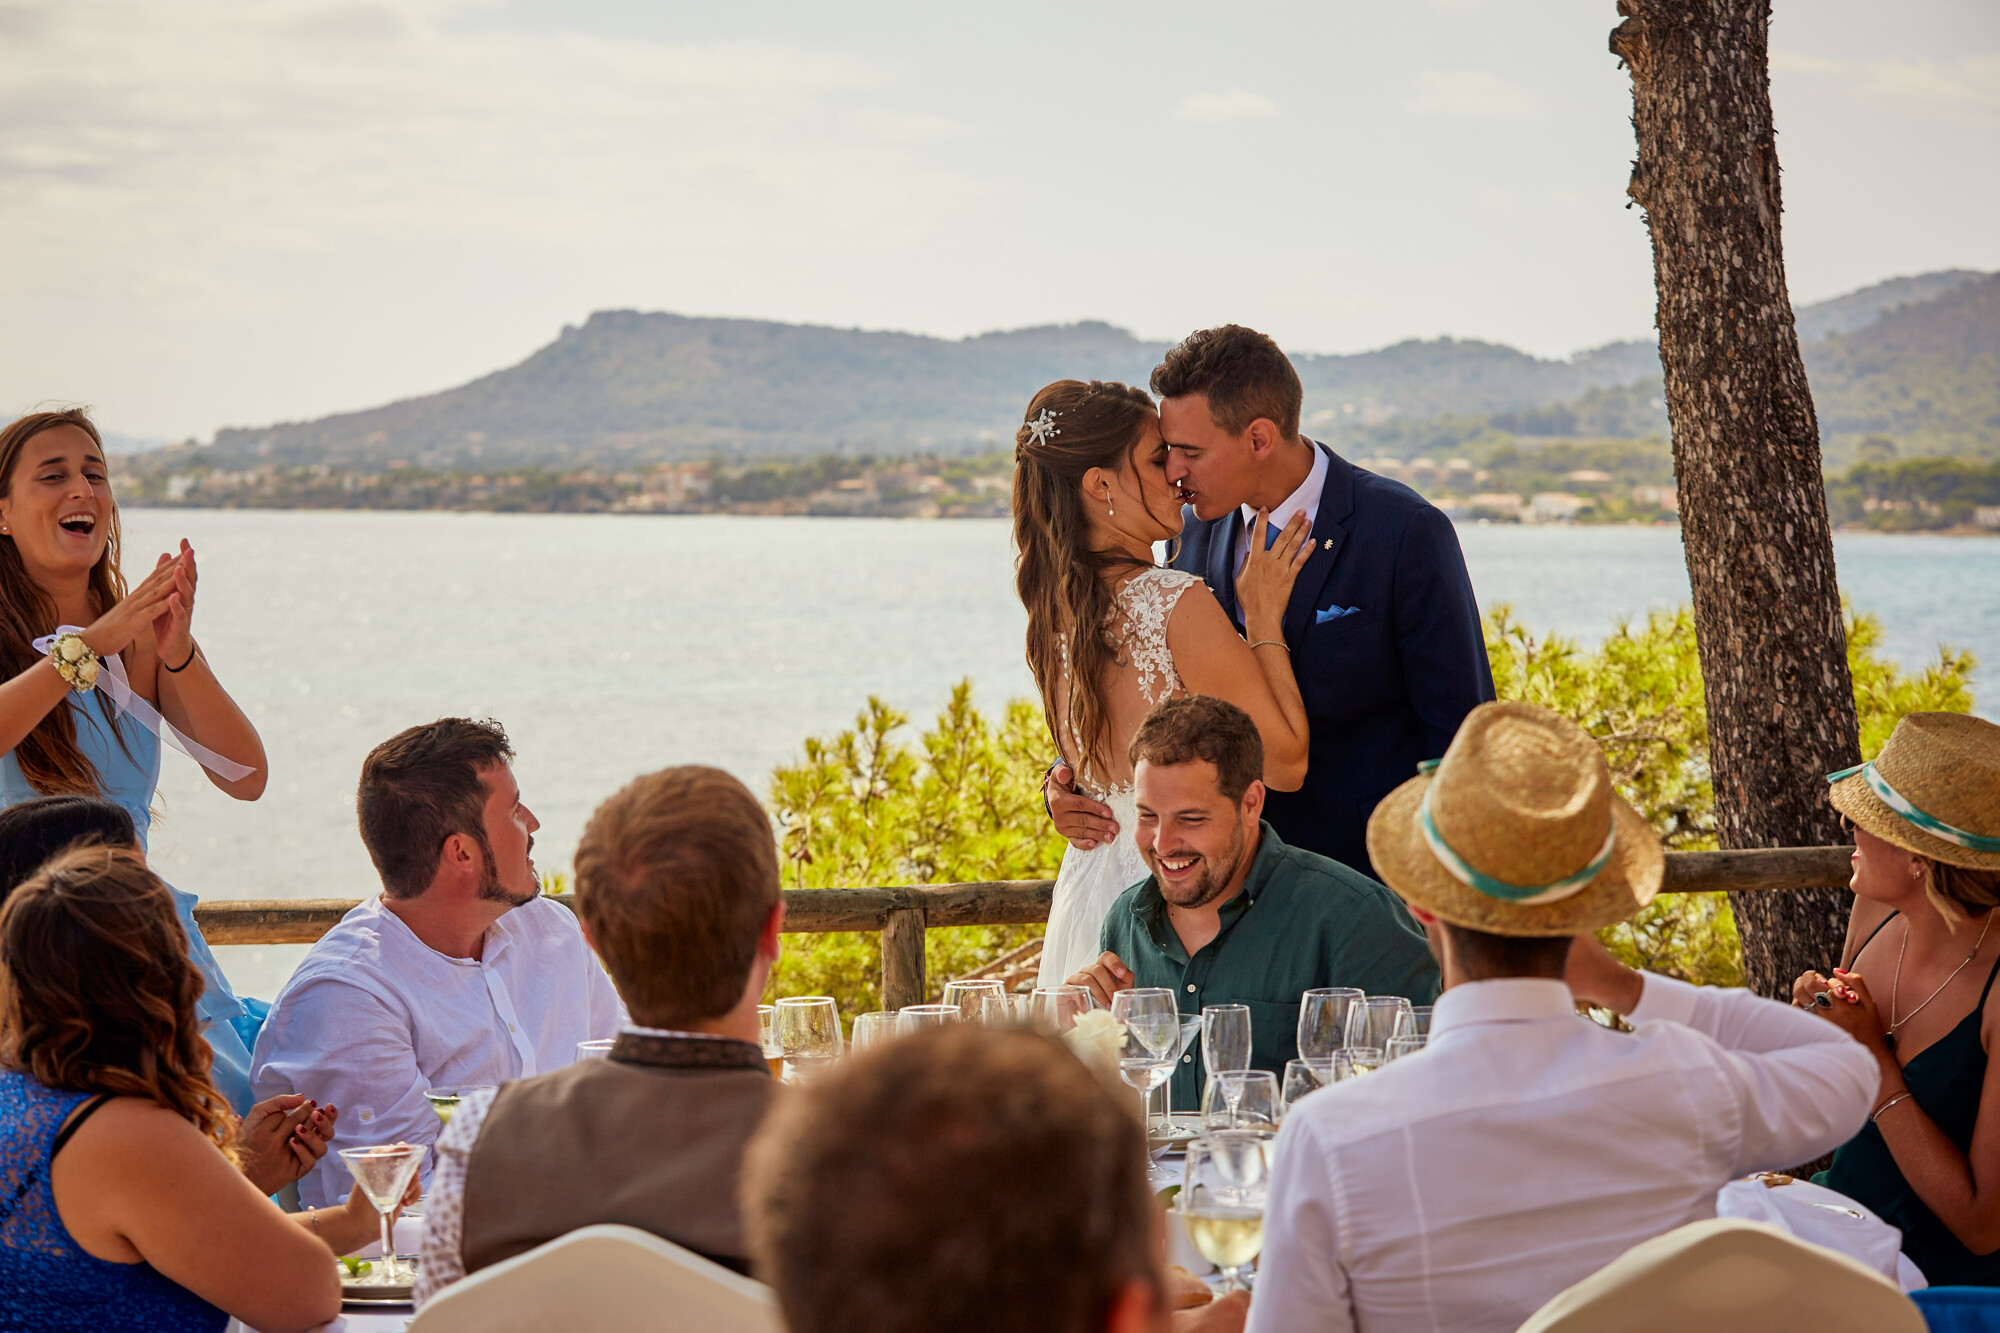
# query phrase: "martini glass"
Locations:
[[384, 1173]]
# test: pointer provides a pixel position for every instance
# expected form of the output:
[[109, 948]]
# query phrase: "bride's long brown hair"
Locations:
[[1065, 585], [48, 754], [97, 993]]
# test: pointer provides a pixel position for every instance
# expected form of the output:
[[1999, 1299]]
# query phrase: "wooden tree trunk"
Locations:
[[1746, 456]]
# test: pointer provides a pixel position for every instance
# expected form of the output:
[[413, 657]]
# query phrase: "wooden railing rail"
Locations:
[[903, 913]]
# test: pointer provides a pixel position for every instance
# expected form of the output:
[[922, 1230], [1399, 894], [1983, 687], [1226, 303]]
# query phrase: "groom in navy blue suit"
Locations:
[[1384, 634]]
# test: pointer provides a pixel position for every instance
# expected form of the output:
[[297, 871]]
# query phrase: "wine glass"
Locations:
[[1354, 1061], [598, 1048], [1323, 1020], [1420, 1018], [807, 1029], [384, 1173], [1225, 1039], [1152, 1034], [917, 1017], [774, 1055], [445, 1101], [981, 1001], [1402, 1045], [1224, 1184], [1303, 1078], [1055, 1008], [1373, 1019], [873, 1028], [1241, 1099]]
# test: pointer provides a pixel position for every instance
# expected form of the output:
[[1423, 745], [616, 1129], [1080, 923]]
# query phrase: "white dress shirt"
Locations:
[[1459, 1188], [374, 1016], [1304, 500], [442, 1261]]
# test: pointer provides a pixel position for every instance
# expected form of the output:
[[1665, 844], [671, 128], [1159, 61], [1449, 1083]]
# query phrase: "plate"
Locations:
[[360, 1291], [1185, 1128]]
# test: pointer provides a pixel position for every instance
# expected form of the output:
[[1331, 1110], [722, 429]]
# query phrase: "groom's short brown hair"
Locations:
[[1241, 371]]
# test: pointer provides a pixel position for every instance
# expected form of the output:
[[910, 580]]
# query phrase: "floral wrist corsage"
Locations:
[[74, 661]]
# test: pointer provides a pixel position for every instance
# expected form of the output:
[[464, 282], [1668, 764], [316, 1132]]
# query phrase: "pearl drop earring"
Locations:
[[1109, 511]]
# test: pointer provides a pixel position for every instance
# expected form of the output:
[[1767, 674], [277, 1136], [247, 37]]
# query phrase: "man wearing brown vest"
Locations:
[[677, 887]]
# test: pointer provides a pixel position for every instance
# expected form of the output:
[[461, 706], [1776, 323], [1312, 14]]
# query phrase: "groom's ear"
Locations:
[[1264, 437]]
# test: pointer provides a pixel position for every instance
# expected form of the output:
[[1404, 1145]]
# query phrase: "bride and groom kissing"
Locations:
[[1330, 604]]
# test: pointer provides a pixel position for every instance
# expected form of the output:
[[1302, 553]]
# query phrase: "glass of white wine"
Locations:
[[807, 1030], [1354, 1061], [384, 1173], [1152, 1037], [1224, 1184]]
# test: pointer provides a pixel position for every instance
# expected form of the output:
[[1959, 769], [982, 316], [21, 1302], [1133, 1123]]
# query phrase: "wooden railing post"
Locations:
[[903, 980]]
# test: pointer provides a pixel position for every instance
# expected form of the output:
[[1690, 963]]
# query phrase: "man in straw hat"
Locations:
[[1926, 820], [1460, 1187]]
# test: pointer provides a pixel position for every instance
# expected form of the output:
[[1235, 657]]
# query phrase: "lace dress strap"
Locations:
[[1147, 601]]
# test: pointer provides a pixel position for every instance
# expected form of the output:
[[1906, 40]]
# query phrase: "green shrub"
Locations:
[[866, 808]]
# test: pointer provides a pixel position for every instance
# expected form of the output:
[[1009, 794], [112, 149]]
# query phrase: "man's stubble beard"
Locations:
[[1211, 885]]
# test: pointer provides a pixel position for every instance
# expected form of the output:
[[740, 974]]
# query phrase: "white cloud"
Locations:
[[1968, 84], [132, 131], [1474, 93], [1220, 108]]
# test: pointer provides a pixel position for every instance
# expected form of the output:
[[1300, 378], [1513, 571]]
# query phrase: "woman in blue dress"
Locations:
[[91, 673]]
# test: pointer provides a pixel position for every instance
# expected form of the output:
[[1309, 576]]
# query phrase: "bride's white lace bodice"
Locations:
[[1144, 673]]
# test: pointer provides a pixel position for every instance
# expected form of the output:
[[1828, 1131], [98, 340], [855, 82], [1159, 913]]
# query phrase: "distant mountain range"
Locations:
[[1915, 358]]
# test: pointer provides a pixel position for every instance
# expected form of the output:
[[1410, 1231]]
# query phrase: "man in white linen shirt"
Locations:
[[1461, 1187], [457, 975]]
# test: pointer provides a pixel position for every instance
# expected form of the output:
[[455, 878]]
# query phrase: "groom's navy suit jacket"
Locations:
[[1386, 643]]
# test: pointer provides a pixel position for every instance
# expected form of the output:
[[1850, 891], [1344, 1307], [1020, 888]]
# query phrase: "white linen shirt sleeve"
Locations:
[[1301, 1278], [442, 1261], [1804, 1087], [348, 1047]]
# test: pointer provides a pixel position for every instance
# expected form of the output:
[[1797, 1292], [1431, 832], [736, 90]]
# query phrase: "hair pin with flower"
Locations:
[[1042, 427]]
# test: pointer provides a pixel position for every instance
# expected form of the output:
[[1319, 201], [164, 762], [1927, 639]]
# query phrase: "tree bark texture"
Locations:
[[1746, 456]]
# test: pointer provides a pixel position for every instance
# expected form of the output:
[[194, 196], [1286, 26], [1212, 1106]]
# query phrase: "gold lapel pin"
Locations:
[[1329, 543]]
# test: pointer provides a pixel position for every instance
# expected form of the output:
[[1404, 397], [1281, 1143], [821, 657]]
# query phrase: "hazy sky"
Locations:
[[227, 212]]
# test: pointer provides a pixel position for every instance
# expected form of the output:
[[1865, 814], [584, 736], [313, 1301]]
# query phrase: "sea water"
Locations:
[[613, 645]]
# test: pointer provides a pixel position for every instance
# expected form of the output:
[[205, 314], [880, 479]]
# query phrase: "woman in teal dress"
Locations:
[[1919, 991], [84, 713]]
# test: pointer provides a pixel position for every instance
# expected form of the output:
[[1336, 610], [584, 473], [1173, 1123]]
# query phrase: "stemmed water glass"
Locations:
[[1225, 1041], [1152, 1035], [1323, 1020], [917, 1017], [1056, 1008], [807, 1029], [384, 1173], [1373, 1019], [774, 1054], [872, 1029], [1405, 1044], [1420, 1019], [980, 1001], [1302, 1079], [1224, 1185], [1241, 1099]]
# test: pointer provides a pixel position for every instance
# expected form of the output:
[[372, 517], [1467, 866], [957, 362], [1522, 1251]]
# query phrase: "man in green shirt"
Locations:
[[1231, 914]]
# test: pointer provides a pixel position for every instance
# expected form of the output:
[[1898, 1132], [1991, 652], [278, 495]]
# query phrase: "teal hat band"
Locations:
[[1930, 824], [1522, 894]]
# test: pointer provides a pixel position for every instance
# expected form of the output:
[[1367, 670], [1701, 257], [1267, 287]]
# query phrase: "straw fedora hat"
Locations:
[[1934, 790], [1517, 830]]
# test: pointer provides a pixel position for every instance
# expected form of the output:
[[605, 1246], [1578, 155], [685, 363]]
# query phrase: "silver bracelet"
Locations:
[[1902, 1097], [1262, 642]]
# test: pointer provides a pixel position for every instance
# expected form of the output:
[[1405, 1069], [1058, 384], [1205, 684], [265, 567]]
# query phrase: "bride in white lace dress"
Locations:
[[1110, 634]]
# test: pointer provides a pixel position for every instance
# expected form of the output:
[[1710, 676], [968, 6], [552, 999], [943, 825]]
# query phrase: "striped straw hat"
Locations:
[[1517, 831], [1934, 790]]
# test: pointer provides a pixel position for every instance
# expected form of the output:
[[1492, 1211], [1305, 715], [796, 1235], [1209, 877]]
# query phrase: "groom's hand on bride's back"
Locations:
[[1083, 821]]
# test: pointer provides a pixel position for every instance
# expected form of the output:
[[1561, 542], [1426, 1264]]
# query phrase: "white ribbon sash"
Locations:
[[113, 684]]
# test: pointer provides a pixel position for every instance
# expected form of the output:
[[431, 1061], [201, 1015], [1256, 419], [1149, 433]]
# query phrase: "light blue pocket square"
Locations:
[[1333, 613]]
